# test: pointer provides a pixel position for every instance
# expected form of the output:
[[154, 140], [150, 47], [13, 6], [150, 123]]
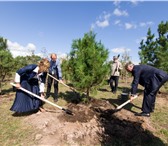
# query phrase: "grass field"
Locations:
[[14, 132]]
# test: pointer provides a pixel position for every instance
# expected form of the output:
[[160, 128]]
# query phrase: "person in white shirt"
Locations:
[[116, 67]]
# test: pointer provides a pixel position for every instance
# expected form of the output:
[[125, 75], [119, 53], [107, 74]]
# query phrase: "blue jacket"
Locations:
[[55, 68], [144, 75], [26, 73]]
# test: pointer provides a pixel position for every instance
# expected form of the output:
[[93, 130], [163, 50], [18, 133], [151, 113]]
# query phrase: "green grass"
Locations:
[[13, 132]]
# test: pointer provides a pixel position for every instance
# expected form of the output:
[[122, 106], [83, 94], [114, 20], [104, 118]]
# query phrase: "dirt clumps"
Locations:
[[95, 123]]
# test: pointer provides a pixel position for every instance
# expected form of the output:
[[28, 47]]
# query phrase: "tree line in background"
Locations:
[[154, 50], [9, 65], [87, 67]]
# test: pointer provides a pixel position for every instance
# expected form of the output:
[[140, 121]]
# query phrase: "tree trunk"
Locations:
[[0, 88], [87, 92]]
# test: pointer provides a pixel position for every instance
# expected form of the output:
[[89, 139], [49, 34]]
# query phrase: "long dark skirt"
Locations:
[[25, 102]]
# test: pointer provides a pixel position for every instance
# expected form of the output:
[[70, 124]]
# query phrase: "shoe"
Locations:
[[114, 92], [143, 114], [16, 114], [55, 100], [42, 109]]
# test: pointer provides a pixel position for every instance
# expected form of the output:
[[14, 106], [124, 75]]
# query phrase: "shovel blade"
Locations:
[[67, 111]]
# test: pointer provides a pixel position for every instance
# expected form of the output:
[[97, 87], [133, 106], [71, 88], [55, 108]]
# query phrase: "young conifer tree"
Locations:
[[6, 62], [162, 50], [154, 50], [88, 65]]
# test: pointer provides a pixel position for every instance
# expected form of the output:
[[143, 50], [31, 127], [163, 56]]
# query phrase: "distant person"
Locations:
[[55, 71], [151, 79], [32, 78], [116, 67]]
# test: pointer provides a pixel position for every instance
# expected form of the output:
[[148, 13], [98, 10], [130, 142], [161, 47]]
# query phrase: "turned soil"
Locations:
[[95, 123], [92, 124]]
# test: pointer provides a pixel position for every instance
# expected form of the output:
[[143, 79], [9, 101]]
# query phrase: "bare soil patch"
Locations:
[[92, 124]]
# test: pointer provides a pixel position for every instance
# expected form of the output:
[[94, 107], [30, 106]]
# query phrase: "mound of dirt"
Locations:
[[91, 124]]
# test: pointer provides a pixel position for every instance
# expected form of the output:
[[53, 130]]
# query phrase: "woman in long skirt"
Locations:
[[32, 78]]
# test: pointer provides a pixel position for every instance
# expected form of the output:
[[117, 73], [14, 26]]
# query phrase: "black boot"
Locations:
[[55, 99]]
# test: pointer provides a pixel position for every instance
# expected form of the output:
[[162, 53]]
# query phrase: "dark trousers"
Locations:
[[150, 93], [49, 84], [114, 83]]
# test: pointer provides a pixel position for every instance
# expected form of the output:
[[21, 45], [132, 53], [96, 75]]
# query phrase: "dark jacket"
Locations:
[[26, 73], [146, 75]]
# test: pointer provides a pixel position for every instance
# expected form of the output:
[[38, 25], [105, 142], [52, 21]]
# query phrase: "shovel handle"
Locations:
[[64, 84], [35, 95], [128, 101], [59, 81], [43, 99]]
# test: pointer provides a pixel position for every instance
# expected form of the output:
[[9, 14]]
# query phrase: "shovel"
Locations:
[[128, 101], [64, 84], [45, 100]]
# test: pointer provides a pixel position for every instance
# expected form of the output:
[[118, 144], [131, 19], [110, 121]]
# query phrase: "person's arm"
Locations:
[[17, 80], [113, 68], [135, 82], [42, 82], [120, 66], [134, 87], [59, 70], [42, 87], [21, 72]]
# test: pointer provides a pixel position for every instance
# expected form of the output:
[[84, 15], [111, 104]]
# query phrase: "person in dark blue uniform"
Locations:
[[151, 79], [55, 71], [32, 78]]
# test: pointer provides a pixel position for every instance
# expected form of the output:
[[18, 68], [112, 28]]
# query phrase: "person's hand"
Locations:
[[131, 98], [42, 95], [18, 85], [61, 81]]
